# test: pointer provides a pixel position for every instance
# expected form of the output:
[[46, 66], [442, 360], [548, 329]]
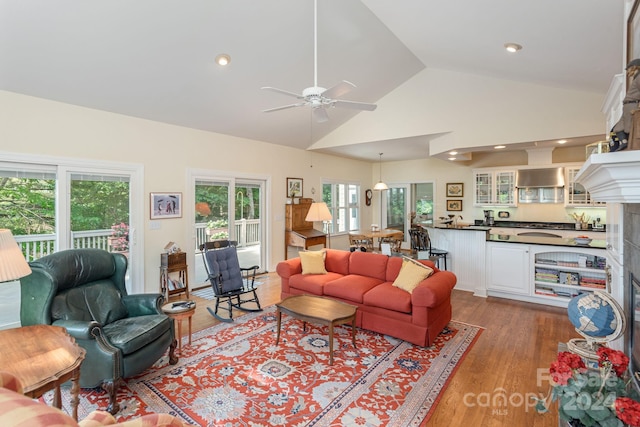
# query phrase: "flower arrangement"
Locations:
[[593, 397], [119, 239]]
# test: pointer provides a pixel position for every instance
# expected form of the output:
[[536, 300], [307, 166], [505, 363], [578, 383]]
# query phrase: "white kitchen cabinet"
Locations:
[[494, 187], [508, 268], [577, 195]]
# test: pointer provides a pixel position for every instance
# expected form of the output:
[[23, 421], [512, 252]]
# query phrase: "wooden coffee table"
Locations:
[[43, 357], [314, 309]]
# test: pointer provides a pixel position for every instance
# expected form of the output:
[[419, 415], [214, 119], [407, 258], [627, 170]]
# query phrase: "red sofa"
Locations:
[[365, 279]]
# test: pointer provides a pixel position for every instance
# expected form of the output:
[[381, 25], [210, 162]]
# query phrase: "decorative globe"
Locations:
[[596, 316]]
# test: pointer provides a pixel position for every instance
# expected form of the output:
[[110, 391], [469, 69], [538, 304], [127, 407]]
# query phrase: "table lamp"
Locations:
[[13, 266], [318, 211]]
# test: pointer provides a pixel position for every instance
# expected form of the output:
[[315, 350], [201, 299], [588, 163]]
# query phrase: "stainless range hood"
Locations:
[[540, 185], [540, 178]]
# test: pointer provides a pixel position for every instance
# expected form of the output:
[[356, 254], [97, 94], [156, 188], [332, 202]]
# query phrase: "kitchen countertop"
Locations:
[[529, 240], [551, 241]]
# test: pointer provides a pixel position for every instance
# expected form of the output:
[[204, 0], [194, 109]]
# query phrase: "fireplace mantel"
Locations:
[[612, 177]]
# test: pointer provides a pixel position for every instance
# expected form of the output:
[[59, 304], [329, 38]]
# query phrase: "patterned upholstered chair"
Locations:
[[20, 410], [83, 290]]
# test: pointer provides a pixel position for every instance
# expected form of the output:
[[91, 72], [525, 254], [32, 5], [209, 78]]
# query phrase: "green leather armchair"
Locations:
[[84, 291]]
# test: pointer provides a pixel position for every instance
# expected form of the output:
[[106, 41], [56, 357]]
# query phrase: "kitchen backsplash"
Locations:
[[544, 213]]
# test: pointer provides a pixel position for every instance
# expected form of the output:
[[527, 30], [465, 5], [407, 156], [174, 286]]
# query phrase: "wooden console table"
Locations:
[[43, 357], [298, 232]]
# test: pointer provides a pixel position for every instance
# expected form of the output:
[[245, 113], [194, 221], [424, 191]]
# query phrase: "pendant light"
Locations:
[[381, 185]]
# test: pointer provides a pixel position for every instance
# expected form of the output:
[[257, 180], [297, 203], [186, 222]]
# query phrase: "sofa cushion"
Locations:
[[337, 261], [313, 262], [351, 287], [389, 297], [133, 333], [312, 283], [411, 274], [368, 264]]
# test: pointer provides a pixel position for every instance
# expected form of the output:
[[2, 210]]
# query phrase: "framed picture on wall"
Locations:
[[294, 187], [166, 205], [454, 205], [455, 189]]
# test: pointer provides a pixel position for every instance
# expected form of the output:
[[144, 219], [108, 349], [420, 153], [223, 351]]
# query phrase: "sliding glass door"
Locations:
[[52, 205], [229, 208]]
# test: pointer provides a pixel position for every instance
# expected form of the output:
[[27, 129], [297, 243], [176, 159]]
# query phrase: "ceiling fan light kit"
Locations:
[[319, 98]]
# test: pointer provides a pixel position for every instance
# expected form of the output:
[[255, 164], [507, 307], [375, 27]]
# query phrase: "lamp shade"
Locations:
[[12, 263], [381, 186], [318, 212]]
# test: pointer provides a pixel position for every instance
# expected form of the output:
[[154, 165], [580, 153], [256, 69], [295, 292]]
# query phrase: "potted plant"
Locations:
[[589, 397]]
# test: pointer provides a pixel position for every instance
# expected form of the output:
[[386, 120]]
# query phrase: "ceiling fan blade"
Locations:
[[284, 92], [338, 90], [320, 114], [354, 105], [284, 107]]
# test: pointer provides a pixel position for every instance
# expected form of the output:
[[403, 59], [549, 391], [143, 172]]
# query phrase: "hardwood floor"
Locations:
[[499, 374]]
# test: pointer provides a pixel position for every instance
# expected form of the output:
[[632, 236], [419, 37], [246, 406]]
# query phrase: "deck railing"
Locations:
[[35, 246]]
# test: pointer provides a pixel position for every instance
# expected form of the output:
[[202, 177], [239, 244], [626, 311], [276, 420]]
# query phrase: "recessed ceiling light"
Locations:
[[562, 141], [499, 147], [452, 158], [512, 47], [453, 153], [223, 59]]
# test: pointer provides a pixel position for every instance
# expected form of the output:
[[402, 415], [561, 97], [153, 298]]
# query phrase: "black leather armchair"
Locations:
[[84, 291]]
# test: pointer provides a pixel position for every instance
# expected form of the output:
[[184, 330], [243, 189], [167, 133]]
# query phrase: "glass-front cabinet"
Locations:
[[577, 195], [494, 188]]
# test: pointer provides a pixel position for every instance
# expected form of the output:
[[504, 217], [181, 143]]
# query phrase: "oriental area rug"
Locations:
[[233, 374]]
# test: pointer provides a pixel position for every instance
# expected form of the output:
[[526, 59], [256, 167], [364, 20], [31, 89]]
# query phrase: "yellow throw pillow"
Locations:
[[313, 262], [411, 273]]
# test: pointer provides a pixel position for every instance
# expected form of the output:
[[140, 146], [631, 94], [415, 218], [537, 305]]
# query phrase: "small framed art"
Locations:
[[454, 205], [166, 205], [455, 189], [294, 187]]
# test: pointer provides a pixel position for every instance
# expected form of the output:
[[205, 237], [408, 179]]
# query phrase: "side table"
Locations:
[[43, 357], [179, 310]]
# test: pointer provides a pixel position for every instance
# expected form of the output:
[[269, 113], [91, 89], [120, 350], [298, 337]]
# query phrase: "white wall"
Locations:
[[472, 111], [40, 127]]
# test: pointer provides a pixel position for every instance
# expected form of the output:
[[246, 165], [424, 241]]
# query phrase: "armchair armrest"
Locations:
[[143, 304], [10, 382], [79, 329]]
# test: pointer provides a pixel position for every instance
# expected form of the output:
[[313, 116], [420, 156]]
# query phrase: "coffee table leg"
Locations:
[[278, 318], [190, 329], [353, 331], [331, 343], [75, 391]]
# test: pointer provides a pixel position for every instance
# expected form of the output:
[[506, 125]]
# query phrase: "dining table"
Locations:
[[378, 234]]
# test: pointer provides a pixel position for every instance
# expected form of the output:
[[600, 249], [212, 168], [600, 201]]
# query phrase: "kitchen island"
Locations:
[[545, 270]]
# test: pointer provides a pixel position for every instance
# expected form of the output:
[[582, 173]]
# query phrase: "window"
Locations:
[[343, 200]]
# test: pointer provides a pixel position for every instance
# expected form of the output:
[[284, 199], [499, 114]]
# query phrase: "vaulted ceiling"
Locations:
[[154, 59]]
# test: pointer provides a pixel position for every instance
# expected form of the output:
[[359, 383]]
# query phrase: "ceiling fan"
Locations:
[[319, 98]]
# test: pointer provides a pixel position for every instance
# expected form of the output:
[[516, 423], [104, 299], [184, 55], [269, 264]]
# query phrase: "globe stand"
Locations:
[[587, 348]]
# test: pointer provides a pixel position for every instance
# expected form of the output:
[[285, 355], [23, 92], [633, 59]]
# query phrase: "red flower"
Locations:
[[560, 372], [628, 410], [573, 360], [619, 361]]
